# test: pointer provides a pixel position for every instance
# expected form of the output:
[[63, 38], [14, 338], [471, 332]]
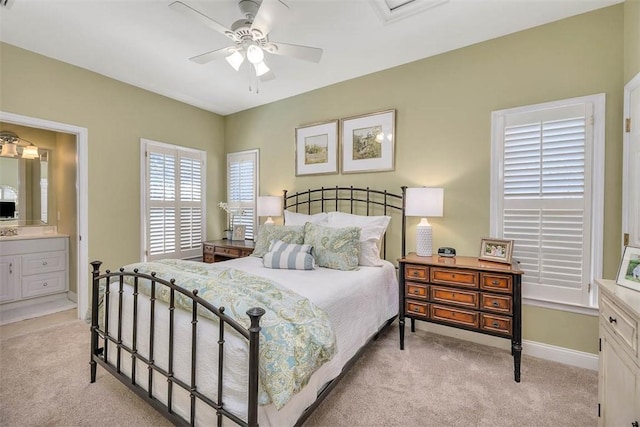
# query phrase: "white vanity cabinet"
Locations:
[[619, 361], [34, 267]]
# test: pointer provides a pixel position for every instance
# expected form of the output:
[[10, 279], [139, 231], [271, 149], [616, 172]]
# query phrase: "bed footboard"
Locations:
[[104, 341]]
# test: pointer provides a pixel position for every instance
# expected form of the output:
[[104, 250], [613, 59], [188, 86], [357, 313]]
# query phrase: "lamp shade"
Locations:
[[424, 202], [9, 150], [269, 206]]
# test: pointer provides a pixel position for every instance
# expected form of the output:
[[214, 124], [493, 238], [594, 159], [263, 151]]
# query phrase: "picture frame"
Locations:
[[238, 232], [316, 150], [368, 142], [496, 250], [629, 270]]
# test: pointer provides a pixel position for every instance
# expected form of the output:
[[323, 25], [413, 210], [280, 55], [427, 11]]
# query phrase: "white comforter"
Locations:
[[357, 302]]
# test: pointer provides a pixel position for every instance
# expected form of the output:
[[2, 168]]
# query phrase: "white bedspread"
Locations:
[[357, 302]]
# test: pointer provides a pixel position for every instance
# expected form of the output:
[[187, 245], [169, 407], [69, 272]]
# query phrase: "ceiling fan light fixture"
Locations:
[[255, 54], [261, 68], [235, 60]]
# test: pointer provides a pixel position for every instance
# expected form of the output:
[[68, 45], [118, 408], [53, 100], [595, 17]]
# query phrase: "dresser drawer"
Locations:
[[416, 272], [496, 282], [207, 249], [454, 315], [497, 303], [449, 276], [417, 308], [209, 258], [42, 284], [417, 291], [230, 252], [43, 262], [454, 296], [497, 324], [622, 325]]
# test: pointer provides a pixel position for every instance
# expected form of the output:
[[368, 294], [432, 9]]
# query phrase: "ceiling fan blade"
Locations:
[[213, 55], [306, 53], [190, 12], [270, 11]]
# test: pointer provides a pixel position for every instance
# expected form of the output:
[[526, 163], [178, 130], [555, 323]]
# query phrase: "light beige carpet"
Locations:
[[435, 381]]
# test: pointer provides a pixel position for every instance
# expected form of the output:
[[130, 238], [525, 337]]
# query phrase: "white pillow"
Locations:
[[372, 228], [295, 218]]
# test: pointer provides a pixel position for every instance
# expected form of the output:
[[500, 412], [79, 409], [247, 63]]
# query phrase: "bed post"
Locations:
[[404, 221], [94, 316], [254, 354]]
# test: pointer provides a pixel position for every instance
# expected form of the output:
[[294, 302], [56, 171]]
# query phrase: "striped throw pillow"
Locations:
[[289, 256]]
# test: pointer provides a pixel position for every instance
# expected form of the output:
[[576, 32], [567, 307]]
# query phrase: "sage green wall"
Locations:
[[631, 39], [116, 115], [443, 132]]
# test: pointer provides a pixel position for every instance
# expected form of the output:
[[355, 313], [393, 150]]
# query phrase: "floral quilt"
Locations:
[[296, 336]]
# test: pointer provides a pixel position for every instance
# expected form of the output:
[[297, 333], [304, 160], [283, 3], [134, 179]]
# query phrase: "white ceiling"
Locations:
[[146, 44]]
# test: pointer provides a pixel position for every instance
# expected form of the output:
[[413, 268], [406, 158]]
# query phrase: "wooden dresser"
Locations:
[[222, 250], [463, 292], [619, 361]]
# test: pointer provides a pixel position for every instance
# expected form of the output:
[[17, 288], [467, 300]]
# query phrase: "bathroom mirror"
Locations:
[[24, 182]]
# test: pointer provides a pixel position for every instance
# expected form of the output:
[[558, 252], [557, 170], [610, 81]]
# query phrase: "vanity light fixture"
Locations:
[[14, 146]]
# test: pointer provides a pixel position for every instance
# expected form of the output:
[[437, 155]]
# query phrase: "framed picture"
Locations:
[[629, 271], [317, 149], [368, 142], [238, 232], [497, 250]]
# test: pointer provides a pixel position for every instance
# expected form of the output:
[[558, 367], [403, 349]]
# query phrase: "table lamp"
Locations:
[[424, 202], [269, 206]]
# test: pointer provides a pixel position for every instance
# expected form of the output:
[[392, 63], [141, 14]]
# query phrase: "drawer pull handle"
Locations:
[[44, 263], [495, 303], [416, 291], [495, 282], [416, 309], [416, 273], [495, 324], [634, 424], [10, 268], [613, 320], [45, 284], [453, 276]]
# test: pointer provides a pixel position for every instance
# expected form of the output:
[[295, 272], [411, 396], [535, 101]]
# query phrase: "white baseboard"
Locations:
[[553, 353]]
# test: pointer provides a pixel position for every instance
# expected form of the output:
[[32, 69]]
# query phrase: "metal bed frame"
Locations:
[[375, 202]]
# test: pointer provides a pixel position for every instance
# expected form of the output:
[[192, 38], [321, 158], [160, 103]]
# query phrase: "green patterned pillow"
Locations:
[[268, 233], [336, 248]]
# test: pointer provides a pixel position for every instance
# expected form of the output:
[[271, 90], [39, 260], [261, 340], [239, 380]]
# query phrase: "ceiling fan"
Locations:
[[250, 36]]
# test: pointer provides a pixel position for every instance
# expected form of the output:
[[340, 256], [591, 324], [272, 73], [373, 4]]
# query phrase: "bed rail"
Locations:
[[364, 201], [102, 335]]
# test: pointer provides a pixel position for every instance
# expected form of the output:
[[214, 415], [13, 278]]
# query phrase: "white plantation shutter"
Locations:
[[543, 197], [174, 210], [242, 188]]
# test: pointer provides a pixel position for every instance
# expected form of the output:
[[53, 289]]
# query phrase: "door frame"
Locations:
[[82, 204], [634, 83]]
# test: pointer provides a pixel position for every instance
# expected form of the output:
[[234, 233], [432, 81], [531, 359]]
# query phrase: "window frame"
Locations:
[[597, 120], [255, 152], [147, 145]]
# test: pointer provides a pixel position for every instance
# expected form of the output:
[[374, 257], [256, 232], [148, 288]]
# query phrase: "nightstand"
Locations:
[[222, 250], [465, 293]]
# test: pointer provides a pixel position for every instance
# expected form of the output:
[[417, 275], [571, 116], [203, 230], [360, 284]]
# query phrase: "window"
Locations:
[[242, 188], [547, 195], [173, 201]]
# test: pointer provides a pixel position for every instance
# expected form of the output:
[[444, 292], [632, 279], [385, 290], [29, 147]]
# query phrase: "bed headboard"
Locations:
[[360, 201]]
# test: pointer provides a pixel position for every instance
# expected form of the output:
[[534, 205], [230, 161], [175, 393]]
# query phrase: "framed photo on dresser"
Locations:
[[629, 271], [496, 250]]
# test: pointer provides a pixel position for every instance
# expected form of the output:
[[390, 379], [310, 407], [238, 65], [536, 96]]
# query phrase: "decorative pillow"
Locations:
[[372, 229], [295, 218], [268, 233], [289, 256], [336, 248]]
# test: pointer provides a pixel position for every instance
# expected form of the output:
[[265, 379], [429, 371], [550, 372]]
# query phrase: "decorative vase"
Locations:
[[228, 234]]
